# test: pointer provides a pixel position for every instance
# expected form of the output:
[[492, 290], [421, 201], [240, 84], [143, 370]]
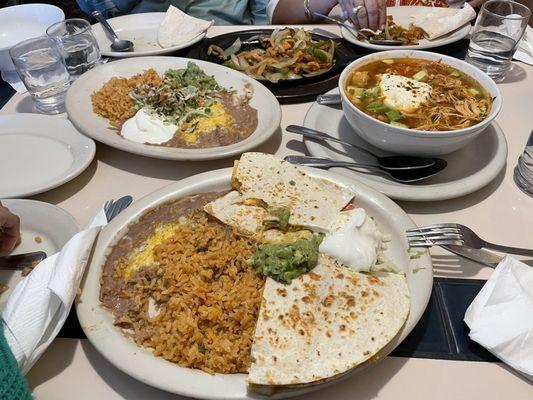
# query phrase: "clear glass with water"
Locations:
[[523, 172], [40, 66], [77, 44], [499, 27]]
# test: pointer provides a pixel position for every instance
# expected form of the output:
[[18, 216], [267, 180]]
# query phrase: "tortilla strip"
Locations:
[[440, 21], [313, 202], [325, 323]]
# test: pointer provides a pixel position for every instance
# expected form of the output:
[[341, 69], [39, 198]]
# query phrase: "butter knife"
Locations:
[[478, 255], [19, 261]]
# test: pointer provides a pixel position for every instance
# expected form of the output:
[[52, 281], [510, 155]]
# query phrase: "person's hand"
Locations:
[[9, 229], [365, 13]]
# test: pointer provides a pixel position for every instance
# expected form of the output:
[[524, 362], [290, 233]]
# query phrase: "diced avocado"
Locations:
[[355, 91], [277, 217], [455, 73], [393, 115], [474, 92], [378, 107], [388, 61], [398, 124], [372, 92], [374, 104], [421, 76]]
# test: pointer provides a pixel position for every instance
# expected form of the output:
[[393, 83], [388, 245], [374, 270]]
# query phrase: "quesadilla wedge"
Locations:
[[325, 323]]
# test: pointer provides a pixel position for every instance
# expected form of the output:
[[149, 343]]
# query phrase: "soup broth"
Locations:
[[418, 94]]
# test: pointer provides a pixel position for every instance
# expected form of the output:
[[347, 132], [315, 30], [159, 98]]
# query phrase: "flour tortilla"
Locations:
[[313, 202], [325, 323], [178, 28], [440, 21]]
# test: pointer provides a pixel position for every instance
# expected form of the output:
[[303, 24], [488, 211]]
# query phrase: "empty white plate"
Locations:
[[40, 152], [43, 227], [468, 170], [141, 29]]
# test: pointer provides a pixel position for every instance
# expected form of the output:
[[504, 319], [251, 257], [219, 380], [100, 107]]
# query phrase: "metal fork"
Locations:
[[113, 207], [458, 235]]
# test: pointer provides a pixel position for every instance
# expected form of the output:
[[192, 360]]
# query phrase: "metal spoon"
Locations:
[[328, 99], [356, 33], [390, 163], [402, 176], [117, 44]]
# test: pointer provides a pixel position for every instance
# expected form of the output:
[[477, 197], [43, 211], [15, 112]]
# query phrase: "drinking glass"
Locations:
[[40, 66], [77, 44], [523, 172], [499, 27]]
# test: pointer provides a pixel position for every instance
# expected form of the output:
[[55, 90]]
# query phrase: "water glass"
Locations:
[[40, 66], [499, 27], [523, 172], [77, 43]]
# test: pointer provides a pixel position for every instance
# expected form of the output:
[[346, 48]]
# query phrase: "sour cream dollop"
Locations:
[[146, 128], [403, 94], [354, 240]]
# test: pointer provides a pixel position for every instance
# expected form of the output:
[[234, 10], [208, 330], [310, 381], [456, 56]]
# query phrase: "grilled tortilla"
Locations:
[[325, 323], [262, 180]]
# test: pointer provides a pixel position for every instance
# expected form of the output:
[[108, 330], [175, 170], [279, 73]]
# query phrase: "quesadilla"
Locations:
[[262, 180], [179, 28], [325, 323]]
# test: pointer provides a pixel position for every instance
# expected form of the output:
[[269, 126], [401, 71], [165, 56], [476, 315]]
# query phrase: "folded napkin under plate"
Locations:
[[501, 316]]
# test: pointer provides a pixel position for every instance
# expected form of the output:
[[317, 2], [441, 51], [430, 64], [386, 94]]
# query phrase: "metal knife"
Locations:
[[478, 255], [19, 261]]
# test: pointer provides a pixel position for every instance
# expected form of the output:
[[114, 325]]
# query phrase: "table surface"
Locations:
[[499, 212]]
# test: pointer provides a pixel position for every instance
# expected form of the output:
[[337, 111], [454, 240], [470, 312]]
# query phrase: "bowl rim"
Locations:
[[40, 5], [474, 129]]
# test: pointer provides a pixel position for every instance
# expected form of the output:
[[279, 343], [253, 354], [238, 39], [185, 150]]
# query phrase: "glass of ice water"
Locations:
[[499, 27], [40, 66], [77, 44]]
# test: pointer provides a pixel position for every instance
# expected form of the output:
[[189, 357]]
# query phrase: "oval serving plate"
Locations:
[[139, 363], [79, 107]]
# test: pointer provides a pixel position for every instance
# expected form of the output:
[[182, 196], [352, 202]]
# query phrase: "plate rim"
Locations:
[[161, 51], [462, 32], [86, 303], [465, 186], [74, 172], [172, 153]]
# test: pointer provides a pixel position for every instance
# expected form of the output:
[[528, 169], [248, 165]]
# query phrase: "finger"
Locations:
[[348, 7], [371, 7], [362, 17], [9, 224], [382, 14], [7, 242]]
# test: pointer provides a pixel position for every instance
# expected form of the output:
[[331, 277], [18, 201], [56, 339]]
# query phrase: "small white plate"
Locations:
[[469, 169], [53, 225], [97, 322], [141, 29], [40, 152], [79, 107], [403, 16]]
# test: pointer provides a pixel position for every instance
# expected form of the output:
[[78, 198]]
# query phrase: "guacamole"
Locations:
[[285, 261], [277, 217]]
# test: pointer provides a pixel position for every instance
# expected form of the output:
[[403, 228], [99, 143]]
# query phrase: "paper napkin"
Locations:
[[39, 305], [13, 79], [501, 316], [524, 52]]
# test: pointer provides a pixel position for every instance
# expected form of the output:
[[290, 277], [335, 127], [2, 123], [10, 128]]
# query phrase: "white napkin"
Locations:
[[524, 52], [13, 79], [179, 28], [39, 305], [501, 316]]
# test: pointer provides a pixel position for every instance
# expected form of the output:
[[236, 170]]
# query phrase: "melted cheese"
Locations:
[[403, 94], [218, 118]]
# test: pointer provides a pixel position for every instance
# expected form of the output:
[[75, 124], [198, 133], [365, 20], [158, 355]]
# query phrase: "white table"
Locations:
[[73, 369]]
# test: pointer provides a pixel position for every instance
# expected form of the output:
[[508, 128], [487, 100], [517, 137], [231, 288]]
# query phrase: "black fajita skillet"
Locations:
[[287, 91]]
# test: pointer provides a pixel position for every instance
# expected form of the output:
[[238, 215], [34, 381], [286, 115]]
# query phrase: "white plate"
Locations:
[[79, 107], [52, 224], [139, 363], [403, 16], [468, 170], [40, 152], [141, 29]]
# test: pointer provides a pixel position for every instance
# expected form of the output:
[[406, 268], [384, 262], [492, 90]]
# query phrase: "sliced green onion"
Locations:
[[393, 115]]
